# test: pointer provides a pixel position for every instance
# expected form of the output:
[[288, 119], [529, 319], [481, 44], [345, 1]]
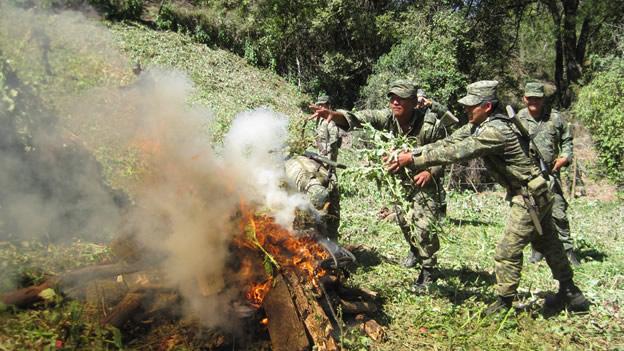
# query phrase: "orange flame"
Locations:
[[299, 253], [258, 291]]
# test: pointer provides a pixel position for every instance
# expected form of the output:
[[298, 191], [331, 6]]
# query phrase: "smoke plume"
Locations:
[[187, 195]]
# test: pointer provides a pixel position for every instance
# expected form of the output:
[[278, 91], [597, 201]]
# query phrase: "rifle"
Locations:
[[529, 201], [323, 160]]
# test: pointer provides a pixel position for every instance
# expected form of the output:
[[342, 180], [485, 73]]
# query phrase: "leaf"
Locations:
[[47, 294]]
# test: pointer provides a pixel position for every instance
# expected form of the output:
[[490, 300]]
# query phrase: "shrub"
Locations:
[[119, 9], [601, 107], [426, 54]]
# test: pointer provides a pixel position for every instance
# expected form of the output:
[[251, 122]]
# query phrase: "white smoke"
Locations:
[[254, 149], [187, 195]]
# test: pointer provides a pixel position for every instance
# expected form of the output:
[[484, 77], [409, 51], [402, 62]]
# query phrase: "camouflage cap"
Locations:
[[478, 92], [402, 88], [322, 99], [534, 90]]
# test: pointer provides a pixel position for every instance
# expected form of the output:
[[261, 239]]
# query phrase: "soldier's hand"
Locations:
[[397, 160], [423, 102], [422, 178], [320, 112], [560, 163]]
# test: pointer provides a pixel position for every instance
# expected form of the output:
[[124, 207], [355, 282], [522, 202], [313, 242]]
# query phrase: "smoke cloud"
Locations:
[[187, 198]]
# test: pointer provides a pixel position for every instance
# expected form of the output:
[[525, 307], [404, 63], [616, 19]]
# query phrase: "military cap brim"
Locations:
[[533, 94], [470, 100]]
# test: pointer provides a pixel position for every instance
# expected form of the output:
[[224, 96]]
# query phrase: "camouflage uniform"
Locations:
[[505, 155], [321, 187], [316, 180], [553, 137], [425, 211]]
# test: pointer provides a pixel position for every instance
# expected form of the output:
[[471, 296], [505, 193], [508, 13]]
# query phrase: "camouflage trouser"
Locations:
[[421, 226], [560, 218], [519, 232], [330, 210]]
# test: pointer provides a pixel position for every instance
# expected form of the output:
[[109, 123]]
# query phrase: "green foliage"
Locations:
[[119, 9], [426, 53], [319, 45], [110, 9], [536, 51], [601, 107], [166, 19]]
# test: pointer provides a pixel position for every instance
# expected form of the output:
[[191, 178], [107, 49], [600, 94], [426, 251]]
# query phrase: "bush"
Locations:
[[426, 54], [119, 9], [601, 107]]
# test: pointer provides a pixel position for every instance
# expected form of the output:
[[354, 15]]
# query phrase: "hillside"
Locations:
[[71, 62]]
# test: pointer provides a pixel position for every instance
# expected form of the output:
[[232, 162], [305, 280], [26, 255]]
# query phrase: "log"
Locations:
[[373, 330], [318, 325], [357, 307], [125, 309], [286, 329], [27, 296]]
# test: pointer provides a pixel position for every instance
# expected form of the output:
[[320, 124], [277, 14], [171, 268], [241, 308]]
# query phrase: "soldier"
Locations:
[[423, 127], [316, 176], [328, 135], [551, 134], [492, 136]]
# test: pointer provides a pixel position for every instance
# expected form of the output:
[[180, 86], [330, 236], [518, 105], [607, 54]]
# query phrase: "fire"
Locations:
[[282, 249], [257, 292]]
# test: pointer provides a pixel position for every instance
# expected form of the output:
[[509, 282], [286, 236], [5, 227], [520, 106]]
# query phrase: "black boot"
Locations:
[[574, 261], [536, 256], [425, 278], [502, 304], [410, 260], [569, 296]]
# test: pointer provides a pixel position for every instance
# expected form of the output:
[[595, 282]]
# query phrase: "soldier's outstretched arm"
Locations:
[[329, 115], [488, 141]]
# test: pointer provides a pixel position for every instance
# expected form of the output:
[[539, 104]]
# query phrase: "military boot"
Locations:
[[425, 278], [502, 304], [569, 296], [536, 256], [574, 261], [410, 260]]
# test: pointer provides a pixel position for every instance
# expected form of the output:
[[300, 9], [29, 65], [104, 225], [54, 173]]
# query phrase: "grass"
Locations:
[[449, 316]]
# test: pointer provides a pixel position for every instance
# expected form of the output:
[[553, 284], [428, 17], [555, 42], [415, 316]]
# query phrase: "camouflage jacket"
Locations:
[[551, 134], [328, 139], [496, 140], [425, 129]]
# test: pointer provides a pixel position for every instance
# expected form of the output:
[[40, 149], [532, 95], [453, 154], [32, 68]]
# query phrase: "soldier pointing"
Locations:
[[420, 222]]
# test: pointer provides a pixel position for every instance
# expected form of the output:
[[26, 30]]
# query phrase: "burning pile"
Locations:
[[280, 250]]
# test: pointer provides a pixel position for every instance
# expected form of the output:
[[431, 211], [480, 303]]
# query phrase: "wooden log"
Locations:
[[373, 330], [318, 325], [125, 309], [27, 296], [357, 307], [286, 329]]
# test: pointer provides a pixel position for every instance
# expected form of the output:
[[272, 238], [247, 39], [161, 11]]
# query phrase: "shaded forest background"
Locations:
[[351, 49]]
